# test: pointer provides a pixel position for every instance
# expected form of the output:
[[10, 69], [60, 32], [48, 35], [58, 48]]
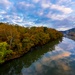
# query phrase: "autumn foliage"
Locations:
[[21, 39]]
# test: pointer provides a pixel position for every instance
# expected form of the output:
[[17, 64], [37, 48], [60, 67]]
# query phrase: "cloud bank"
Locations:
[[58, 14]]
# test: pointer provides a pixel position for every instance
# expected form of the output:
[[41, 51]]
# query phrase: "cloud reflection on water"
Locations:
[[59, 60]]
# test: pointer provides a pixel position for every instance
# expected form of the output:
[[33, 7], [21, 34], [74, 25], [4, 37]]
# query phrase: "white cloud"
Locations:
[[63, 28], [24, 4], [68, 3], [43, 10], [17, 19], [1, 17], [2, 12], [36, 1], [65, 10], [5, 3], [45, 5], [12, 18], [40, 13], [56, 16], [64, 1], [58, 6]]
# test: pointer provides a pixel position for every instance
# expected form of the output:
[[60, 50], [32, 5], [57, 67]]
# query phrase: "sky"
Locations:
[[58, 14]]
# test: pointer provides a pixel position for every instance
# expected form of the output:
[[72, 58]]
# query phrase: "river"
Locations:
[[54, 58]]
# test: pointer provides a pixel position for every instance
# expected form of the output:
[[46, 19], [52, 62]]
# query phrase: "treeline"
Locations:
[[16, 40]]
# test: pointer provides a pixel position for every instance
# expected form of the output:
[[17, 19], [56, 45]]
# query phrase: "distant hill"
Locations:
[[69, 33]]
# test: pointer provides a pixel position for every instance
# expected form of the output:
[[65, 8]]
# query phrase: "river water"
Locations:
[[55, 58]]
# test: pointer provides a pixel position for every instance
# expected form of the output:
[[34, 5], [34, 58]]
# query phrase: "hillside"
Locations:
[[69, 33]]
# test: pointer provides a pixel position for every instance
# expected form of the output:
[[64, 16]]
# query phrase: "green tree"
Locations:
[[4, 51]]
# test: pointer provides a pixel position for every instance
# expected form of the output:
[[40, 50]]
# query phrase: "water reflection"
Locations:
[[56, 58], [14, 67]]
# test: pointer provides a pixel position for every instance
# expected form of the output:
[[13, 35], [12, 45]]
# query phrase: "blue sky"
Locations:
[[58, 14]]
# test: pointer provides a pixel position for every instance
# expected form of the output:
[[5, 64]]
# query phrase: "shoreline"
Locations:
[[22, 54]]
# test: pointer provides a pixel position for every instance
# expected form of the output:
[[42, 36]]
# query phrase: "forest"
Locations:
[[17, 40]]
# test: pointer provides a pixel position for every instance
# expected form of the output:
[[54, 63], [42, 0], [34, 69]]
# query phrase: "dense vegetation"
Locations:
[[16, 40]]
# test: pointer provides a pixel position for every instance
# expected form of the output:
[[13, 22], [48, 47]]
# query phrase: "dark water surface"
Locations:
[[55, 58]]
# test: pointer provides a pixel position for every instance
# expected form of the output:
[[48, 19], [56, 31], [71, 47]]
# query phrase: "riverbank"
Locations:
[[49, 58], [17, 55], [16, 40]]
